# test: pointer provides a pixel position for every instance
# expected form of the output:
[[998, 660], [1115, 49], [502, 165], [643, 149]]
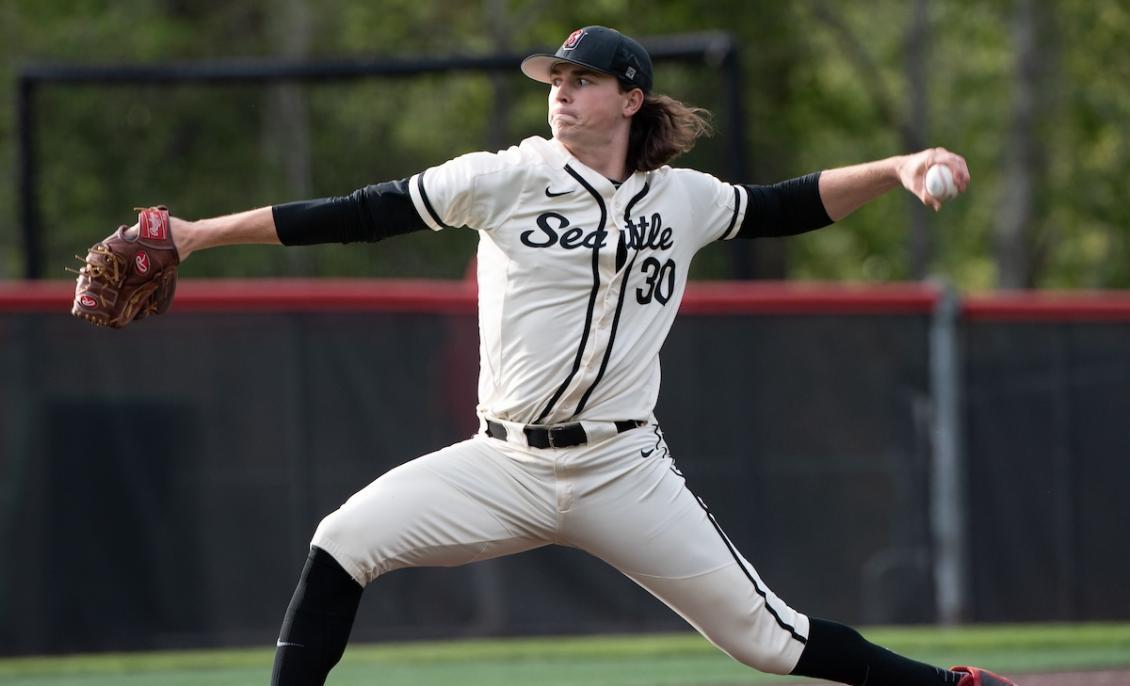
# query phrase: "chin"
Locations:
[[562, 133]]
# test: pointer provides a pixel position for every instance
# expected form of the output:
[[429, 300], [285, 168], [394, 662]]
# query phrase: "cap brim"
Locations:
[[537, 66]]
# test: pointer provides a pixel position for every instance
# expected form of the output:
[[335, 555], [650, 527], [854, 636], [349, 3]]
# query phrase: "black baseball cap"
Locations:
[[600, 49]]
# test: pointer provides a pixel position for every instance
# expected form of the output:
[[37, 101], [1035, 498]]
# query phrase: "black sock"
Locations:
[[838, 653], [317, 623]]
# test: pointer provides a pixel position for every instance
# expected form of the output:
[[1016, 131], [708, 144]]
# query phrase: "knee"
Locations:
[[337, 535], [764, 643], [771, 659], [333, 528]]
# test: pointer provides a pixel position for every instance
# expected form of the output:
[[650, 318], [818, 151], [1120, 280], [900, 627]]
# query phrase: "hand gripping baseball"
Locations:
[[914, 171], [128, 275]]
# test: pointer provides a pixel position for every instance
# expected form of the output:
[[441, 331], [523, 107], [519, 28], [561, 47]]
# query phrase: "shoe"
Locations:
[[975, 676]]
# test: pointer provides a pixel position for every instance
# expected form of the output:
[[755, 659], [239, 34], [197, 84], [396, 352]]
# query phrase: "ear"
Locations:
[[633, 101]]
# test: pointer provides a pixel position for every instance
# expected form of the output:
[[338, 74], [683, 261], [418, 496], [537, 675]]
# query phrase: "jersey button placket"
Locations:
[[605, 313]]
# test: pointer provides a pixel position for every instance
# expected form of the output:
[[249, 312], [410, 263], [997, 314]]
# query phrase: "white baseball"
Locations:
[[939, 182]]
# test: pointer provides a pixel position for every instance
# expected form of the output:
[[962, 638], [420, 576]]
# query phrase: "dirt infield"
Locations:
[[1095, 678], [1106, 677]]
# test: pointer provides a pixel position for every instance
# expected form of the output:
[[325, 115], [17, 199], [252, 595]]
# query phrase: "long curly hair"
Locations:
[[663, 129]]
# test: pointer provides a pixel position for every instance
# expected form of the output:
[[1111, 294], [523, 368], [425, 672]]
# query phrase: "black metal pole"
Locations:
[[26, 173], [741, 251]]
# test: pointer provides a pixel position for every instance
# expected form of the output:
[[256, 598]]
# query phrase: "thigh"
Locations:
[[649, 525], [633, 508], [464, 503]]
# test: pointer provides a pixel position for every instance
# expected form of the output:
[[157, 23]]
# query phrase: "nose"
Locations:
[[561, 93]]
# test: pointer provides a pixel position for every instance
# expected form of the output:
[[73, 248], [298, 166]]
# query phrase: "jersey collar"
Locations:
[[561, 156]]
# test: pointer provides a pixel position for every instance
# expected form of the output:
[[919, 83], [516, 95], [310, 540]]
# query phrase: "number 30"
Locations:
[[659, 281]]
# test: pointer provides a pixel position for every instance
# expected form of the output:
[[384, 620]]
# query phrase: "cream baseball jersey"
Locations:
[[579, 280]]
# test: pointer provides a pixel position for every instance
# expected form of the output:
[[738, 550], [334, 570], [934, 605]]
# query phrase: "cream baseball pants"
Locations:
[[621, 499]]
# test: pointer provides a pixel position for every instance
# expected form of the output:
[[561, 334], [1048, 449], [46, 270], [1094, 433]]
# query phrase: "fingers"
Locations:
[[957, 165], [955, 162]]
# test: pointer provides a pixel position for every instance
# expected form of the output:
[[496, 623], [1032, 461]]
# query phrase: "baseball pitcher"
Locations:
[[585, 242]]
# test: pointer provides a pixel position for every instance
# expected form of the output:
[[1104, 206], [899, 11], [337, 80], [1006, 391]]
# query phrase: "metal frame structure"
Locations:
[[714, 48]]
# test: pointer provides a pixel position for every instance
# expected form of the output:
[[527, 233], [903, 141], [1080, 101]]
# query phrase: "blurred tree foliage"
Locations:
[[827, 84]]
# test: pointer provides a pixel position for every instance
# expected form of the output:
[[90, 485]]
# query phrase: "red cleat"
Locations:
[[975, 676]]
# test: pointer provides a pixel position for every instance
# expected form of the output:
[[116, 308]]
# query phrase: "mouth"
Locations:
[[562, 122]]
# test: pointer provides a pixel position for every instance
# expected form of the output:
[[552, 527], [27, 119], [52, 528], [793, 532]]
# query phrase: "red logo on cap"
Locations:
[[88, 302], [142, 262], [573, 39]]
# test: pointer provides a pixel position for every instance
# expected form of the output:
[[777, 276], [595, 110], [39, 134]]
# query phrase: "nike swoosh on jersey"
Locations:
[[645, 453], [551, 194]]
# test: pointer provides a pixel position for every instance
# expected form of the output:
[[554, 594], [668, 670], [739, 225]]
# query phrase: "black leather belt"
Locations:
[[559, 436]]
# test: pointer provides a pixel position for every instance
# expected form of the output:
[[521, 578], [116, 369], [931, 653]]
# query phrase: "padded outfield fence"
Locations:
[[881, 454]]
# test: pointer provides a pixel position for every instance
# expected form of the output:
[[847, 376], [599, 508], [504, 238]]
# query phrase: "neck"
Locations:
[[609, 158]]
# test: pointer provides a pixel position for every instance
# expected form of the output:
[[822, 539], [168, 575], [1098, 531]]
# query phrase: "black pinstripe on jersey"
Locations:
[[592, 295], [619, 302], [427, 202]]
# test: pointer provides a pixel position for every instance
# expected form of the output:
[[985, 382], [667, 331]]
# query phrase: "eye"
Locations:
[[555, 82]]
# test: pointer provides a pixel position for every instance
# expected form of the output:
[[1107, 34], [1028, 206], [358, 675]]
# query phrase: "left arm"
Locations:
[[819, 199], [846, 189]]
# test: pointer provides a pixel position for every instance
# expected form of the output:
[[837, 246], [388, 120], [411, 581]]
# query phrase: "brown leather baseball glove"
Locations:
[[126, 277]]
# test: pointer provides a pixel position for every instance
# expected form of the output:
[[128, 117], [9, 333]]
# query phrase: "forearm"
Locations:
[[370, 214], [846, 189], [251, 227]]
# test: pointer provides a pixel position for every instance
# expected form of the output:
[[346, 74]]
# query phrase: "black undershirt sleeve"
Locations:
[[368, 214], [784, 209]]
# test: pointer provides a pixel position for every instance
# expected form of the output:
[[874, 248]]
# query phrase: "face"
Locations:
[[588, 107]]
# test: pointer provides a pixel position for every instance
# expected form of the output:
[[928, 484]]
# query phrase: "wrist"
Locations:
[[905, 169], [186, 236], [895, 168]]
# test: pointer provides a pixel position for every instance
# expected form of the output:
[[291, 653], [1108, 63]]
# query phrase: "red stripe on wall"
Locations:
[[751, 297], [271, 295], [36, 296], [702, 298], [340, 295], [1113, 306]]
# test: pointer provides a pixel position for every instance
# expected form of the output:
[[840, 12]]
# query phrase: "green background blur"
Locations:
[[1032, 92]]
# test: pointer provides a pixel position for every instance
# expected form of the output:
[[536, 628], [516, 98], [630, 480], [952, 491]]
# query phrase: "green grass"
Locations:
[[654, 660]]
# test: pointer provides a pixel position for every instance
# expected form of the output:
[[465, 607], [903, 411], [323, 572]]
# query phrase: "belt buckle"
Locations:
[[533, 437], [551, 434]]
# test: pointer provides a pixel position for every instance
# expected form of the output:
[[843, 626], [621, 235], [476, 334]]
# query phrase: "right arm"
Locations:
[[369, 214]]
